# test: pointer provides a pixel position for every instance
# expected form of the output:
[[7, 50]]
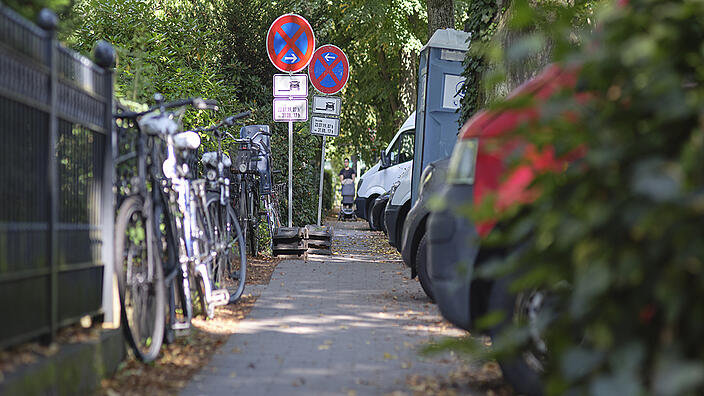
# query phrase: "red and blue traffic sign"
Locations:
[[290, 43], [329, 69]]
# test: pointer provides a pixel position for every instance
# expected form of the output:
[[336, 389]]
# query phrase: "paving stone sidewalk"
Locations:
[[347, 324]]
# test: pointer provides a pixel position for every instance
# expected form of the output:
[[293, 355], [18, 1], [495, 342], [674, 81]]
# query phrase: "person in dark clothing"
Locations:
[[347, 172]]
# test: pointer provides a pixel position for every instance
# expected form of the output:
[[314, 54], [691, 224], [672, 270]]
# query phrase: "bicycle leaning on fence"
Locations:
[[229, 269], [161, 231]]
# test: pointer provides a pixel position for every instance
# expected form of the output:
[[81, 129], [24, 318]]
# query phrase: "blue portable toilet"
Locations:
[[437, 116]]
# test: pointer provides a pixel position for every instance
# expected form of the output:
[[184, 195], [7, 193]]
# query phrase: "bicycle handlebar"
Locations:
[[227, 121], [197, 103]]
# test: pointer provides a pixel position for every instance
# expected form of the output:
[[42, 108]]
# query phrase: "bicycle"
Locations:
[[225, 231], [146, 231], [272, 209], [247, 197]]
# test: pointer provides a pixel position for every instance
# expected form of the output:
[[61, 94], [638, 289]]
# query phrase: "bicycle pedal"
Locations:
[[219, 297]]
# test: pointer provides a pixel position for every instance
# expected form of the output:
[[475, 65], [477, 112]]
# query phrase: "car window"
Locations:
[[406, 146], [393, 152]]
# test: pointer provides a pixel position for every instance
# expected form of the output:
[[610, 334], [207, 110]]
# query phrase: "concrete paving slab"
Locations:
[[351, 323]]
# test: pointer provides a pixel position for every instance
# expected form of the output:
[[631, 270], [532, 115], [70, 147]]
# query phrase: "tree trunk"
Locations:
[[441, 15], [407, 89]]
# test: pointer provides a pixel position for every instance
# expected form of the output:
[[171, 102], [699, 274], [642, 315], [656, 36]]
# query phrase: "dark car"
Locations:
[[479, 166], [376, 214], [413, 241]]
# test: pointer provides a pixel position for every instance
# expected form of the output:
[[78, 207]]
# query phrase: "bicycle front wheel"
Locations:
[[237, 257], [253, 231], [140, 280]]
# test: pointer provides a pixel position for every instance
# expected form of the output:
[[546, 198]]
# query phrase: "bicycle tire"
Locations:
[[254, 221], [237, 265], [207, 311], [242, 212], [145, 342], [219, 235]]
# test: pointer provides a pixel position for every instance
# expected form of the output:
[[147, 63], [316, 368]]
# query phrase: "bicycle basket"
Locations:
[[243, 160]]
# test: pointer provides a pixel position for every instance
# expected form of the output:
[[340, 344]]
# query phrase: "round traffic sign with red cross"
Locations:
[[329, 69], [290, 43]]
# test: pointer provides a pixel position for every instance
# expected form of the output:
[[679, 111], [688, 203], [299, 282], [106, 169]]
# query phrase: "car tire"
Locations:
[[422, 267], [524, 379]]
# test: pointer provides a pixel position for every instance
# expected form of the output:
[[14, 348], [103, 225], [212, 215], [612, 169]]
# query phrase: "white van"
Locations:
[[397, 157]]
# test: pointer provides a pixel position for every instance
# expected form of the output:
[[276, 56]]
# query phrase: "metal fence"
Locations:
[[56, 200]]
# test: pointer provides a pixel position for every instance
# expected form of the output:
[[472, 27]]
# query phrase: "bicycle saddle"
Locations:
[[158, 124], [187, 140]]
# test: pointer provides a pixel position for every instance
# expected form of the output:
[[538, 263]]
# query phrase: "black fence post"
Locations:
[[104, 55], [48, 21]]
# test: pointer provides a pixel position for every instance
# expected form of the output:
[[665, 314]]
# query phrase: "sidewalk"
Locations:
[[349, 324]]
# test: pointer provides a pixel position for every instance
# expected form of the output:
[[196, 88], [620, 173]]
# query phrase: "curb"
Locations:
[[74, 369]]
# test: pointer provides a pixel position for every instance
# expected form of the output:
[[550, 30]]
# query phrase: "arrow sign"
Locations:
[[329, 69], [290, 43]]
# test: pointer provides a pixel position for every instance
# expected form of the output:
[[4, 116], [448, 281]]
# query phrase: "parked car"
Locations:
[[413, 239], [479, 165], [395, 159], [397, 208], [376, 219]]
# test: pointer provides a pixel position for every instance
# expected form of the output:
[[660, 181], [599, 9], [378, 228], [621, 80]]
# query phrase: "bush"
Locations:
[[617, 238], [328, 191]]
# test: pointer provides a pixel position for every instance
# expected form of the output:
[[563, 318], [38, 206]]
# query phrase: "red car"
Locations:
[[481, 166]]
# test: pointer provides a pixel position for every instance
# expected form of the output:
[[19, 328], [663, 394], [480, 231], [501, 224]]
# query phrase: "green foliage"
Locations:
[[382, 40], [30, 9], [328, 193], [616, 237], [481, 24], [200, 48]]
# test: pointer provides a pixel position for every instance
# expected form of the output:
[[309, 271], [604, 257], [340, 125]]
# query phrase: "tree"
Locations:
[[441, 15]]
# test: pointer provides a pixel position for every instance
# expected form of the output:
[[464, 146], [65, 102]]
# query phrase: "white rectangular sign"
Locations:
[[290, 110], [286, 85], [329, 105], [451, 91], [324, 126]]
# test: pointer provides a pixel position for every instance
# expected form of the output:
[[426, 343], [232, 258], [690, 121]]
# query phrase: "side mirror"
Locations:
[[385, 161]]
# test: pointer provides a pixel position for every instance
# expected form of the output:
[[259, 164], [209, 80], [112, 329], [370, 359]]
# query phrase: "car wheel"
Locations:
[[523, 373], [422, 267]]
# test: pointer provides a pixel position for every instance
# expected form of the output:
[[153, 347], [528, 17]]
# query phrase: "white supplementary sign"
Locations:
[[451, 91], [329, 105], [324, 126], [290, 110], [286, 85]]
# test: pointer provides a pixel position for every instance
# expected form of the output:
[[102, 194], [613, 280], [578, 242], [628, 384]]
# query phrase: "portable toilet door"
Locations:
[[437, 110]]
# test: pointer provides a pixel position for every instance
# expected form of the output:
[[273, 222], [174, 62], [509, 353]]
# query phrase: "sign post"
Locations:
[[328, 72], [290, 43], [290, 173], [322, 174]]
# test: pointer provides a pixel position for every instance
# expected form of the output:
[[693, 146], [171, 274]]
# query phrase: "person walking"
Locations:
[[347, 173]]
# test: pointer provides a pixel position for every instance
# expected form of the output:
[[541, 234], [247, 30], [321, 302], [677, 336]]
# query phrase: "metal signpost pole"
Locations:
[[290, 173], [322, 173]]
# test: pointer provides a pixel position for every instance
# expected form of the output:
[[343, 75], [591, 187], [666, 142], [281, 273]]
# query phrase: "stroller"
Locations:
[[347, 209]]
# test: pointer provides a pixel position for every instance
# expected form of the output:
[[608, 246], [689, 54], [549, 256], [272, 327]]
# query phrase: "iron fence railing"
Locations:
[[56, 195]]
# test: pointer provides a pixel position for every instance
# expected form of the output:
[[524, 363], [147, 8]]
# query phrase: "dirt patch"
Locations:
[[464, 380], [179, 361]]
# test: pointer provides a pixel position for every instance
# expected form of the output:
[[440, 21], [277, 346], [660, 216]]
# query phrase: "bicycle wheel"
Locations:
[[202, 241], [218, 224], [253, 223], [140, 280], [236, 272], [242, 211]]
